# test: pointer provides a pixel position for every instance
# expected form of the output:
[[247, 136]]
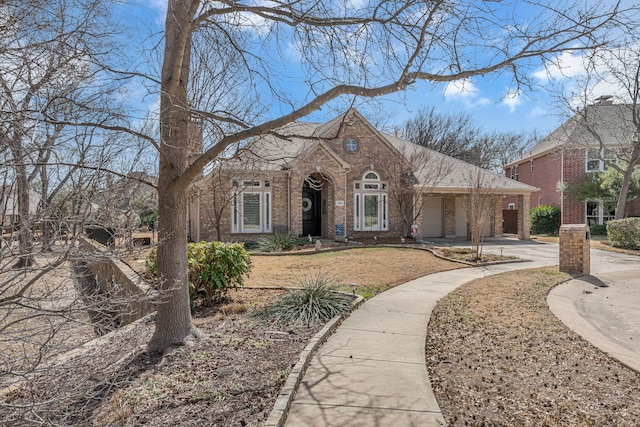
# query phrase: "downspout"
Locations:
[[346, 233], [289, 199], [562, 187]]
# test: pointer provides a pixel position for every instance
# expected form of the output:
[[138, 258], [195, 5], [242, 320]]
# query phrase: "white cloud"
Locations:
[[354, 4], [293, 52], [566, 65], [512, 100], [583, 78], [460, 89], [466, 92]]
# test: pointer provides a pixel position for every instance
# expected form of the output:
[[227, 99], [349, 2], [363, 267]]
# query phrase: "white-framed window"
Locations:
[[598, 213], [594, 162], [370, 204], [512, 206], [251, 207], [514, 172]]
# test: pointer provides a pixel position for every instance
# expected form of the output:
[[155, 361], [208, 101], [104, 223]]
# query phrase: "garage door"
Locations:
[[461, 217], [432, 214]]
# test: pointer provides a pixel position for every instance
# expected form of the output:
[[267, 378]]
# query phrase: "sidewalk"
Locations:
[[372, 371]]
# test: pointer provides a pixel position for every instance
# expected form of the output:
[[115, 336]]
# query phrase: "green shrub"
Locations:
[[317, 301], [545, 220], [276, 242], [151, 263], [214, 269], [624, 233], [598, 230]]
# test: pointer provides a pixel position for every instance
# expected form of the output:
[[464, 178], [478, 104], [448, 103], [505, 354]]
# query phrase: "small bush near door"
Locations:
[[276, 242], [545, 220]]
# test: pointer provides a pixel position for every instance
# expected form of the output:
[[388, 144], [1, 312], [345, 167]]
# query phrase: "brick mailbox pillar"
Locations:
[[574, 249]]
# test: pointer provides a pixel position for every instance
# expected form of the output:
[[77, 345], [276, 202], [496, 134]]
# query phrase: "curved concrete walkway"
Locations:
[[372, 371]]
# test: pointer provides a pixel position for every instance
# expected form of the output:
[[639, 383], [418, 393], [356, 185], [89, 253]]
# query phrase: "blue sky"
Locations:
[[487, 99]]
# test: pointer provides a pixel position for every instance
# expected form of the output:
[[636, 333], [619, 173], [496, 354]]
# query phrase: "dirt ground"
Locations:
[[231, 378], [26, 335], [497, 356]]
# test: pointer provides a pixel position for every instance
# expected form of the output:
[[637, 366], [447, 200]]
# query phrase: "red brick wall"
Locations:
[[546, 174], [548, 170], [633, 208]]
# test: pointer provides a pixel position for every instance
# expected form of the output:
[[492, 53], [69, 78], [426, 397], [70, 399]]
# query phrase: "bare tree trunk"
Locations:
[[22, 194], [173, 320], [624, 192]]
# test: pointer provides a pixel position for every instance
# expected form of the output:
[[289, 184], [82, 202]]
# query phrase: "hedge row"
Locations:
[[624, 233], [545, 220]]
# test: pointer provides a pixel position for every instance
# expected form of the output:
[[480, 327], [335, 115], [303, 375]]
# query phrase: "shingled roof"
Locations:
[[611, 123], [281, 149]]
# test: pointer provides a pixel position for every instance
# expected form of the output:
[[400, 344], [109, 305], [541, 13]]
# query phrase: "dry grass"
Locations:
[[373, 269]]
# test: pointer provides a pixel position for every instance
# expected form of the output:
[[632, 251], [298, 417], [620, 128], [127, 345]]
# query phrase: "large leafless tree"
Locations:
[[459, 135], [52, 75], [345, 50], [604, 102]]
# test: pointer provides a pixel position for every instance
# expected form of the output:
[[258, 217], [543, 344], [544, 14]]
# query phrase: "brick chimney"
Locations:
[[604, 100]]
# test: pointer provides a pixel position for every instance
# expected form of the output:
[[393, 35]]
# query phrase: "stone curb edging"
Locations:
[[278, 414], [386, 245], [473, 264]]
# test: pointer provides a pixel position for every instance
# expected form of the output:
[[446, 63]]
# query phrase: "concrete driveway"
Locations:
[[604, 307]]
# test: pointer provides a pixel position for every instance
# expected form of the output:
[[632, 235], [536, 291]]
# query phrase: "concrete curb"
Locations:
[[278, 414], [415, 247]]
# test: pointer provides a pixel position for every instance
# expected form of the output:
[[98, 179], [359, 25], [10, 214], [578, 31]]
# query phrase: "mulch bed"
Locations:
[[497, 356], [230, 378]]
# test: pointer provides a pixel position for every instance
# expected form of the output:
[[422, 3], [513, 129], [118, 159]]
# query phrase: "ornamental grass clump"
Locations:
[[316, 302], [276, 242]]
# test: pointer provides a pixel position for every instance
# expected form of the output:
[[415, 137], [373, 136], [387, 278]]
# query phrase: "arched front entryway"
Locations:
[[311, 209], [316, 194]]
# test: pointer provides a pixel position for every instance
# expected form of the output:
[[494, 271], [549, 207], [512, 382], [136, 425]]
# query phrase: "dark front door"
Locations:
[[509, 221], [311, 212]]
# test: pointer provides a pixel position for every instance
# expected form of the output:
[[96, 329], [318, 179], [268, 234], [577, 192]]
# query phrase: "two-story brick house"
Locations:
[[343, 179], [569, 153]]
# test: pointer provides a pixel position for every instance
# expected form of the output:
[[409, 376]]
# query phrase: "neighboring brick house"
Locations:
[[569, 153], [341, 180]]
